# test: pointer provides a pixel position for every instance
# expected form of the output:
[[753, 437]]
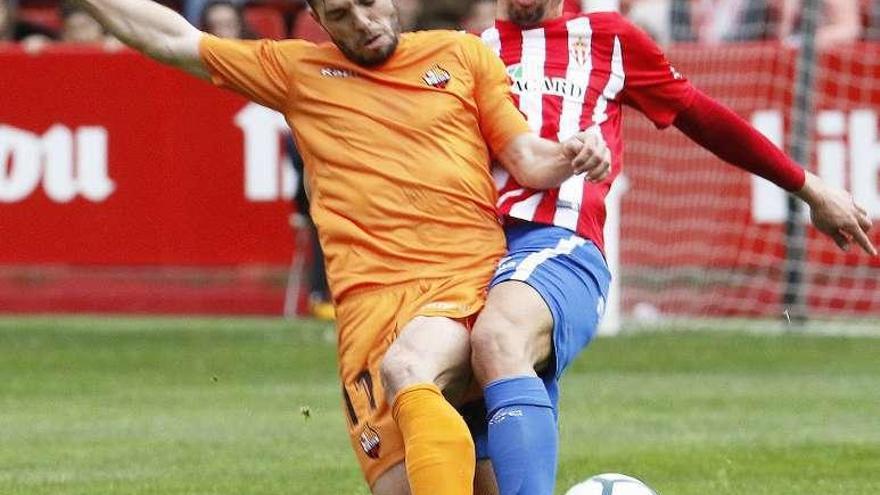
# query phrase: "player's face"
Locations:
[[529, 12], [367, 31]]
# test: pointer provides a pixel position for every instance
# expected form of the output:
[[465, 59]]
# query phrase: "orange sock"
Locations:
[[440, 456]]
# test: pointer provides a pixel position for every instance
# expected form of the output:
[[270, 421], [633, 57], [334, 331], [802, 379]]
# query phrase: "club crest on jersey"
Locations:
[[437, 77], [580, 51], [370, 442]]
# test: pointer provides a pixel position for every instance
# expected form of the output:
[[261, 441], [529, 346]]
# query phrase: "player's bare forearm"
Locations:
[[538, 163], [151, 28]]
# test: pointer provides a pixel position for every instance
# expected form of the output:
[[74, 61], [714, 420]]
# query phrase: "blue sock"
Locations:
[[523, 438]]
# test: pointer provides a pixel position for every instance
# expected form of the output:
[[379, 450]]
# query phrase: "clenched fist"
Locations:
[[589, 154]]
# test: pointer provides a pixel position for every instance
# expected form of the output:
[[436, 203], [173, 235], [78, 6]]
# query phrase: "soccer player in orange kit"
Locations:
[[396, 132]]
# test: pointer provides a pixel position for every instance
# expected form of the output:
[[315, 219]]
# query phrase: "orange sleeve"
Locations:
[[500, 120], [260, 70]]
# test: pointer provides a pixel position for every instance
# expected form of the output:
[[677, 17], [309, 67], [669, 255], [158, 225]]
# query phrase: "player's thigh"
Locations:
[[569, 280], [428, 349], [513, 331]]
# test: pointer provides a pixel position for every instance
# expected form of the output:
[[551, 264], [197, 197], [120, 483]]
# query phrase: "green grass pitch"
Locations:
[[157, 406]]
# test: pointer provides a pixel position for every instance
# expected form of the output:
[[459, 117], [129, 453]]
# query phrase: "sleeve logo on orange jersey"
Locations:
[[437, 77], [337, 72]]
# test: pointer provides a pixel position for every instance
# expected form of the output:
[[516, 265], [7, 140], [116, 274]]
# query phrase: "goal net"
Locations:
[[701, 242]]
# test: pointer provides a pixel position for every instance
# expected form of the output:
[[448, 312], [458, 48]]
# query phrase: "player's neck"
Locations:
[[502, 15]]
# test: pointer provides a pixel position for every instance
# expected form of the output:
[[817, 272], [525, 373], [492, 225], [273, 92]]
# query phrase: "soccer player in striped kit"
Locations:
[[568, 73]]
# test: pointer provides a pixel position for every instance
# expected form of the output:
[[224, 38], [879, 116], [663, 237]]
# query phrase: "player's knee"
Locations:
[[490, 341], [500, 344], [400, 369]]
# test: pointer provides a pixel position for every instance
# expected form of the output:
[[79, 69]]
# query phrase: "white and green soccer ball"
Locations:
[[611, 484]]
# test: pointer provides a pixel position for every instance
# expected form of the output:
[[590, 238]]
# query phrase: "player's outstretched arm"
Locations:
[[719, 130], [538, 163], [151, 28]]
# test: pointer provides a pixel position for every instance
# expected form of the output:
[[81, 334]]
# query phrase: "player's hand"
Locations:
[[589, 155], [834, 213]]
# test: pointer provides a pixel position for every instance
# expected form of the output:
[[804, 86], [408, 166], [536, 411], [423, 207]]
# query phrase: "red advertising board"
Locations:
[[112, 159]]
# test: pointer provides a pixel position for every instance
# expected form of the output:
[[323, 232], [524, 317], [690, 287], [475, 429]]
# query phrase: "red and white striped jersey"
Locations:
[[569, 74]]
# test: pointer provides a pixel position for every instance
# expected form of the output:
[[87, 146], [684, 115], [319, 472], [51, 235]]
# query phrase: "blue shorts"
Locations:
[[571, 275]]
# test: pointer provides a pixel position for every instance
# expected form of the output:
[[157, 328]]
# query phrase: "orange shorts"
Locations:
[[368, 323]]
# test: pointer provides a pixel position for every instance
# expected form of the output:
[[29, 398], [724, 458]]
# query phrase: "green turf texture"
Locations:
[[157, 406]]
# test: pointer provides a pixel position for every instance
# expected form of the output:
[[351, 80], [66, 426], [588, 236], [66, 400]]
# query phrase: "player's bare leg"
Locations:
[[484, 483], [394, 481], [431, 354], [513, 338]]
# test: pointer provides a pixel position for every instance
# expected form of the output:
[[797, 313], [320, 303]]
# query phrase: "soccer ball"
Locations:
[[611, 484]]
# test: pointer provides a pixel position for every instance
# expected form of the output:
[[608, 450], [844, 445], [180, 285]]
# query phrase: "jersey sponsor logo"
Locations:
[[556, 86], [336, 72], [371, 442], [437, 77], [67, 163]]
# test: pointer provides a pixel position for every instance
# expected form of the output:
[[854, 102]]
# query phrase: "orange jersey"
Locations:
[[396, 156]]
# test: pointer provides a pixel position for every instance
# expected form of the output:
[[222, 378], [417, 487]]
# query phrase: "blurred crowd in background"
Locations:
[[38, 23]]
